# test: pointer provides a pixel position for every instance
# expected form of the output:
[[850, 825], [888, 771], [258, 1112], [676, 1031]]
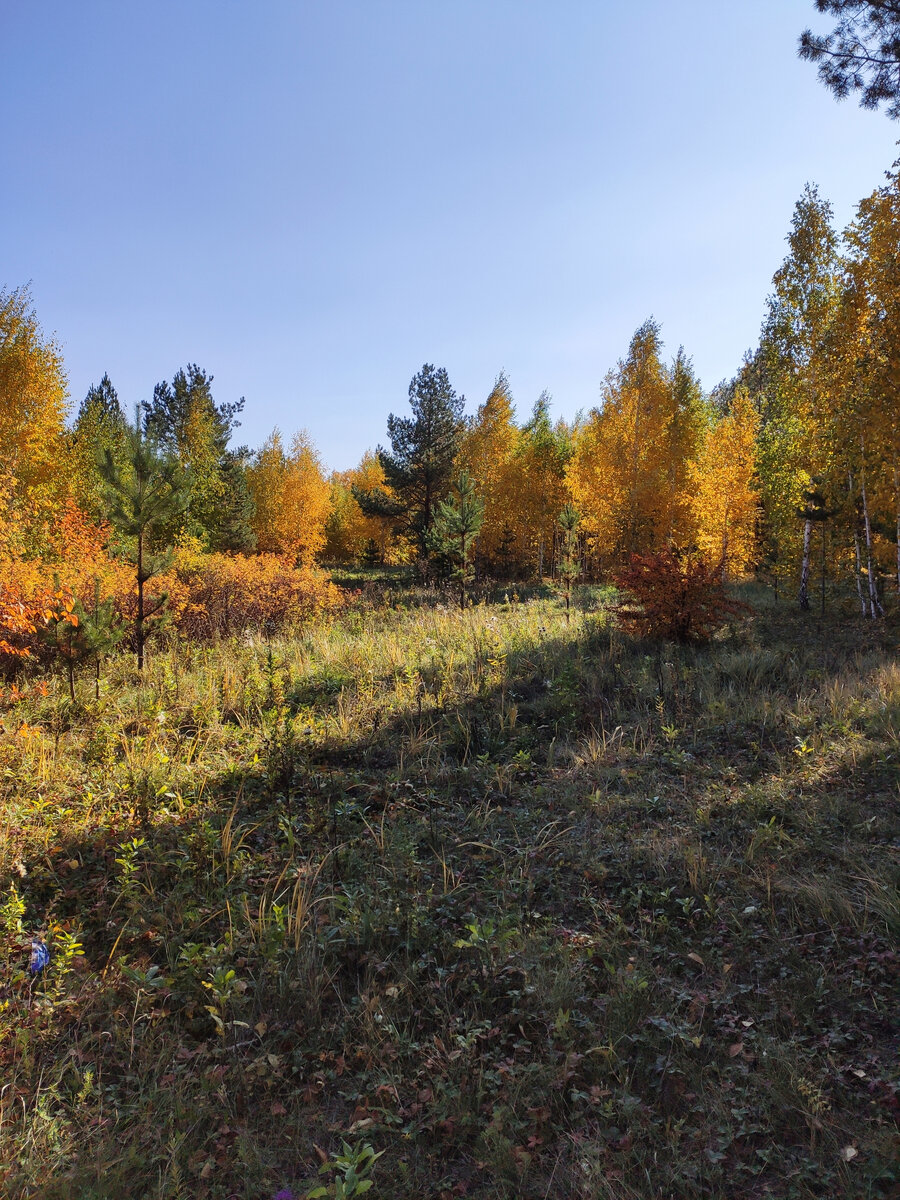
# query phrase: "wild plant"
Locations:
[[223, 986], [351, 1172], [66, 949], [128, 864], [11, 912]]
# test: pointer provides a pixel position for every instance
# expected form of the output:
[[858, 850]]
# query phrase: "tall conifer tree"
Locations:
[[419, 466]]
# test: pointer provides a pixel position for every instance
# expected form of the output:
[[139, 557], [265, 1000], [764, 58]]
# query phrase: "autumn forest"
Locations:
[[511, 815]]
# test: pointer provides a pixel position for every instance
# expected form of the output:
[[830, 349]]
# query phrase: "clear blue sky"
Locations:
[[310, 199]]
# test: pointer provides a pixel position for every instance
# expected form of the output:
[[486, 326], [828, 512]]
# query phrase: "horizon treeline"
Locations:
[[790, 470]]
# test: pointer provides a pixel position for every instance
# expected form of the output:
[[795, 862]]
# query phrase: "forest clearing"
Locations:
[[528, 908], [419, 797], [544, 844]]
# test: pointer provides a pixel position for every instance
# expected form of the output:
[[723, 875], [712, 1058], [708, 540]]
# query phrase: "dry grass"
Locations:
[[536, 909]]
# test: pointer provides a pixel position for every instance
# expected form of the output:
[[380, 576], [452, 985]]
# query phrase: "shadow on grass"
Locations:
[[598, 920]]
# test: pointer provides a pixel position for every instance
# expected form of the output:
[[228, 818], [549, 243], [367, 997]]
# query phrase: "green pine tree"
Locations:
[[185, 421], [83, 634], [569, 568], [146, 494], [457, 523], [423, 449]]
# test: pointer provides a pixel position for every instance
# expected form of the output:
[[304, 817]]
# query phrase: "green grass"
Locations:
[[534, 909]]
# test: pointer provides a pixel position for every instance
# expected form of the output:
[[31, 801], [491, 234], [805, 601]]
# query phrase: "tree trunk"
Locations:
[[462, 572], [426, 519], [804, 569], [139, 622], [875, 609], [862, 600]]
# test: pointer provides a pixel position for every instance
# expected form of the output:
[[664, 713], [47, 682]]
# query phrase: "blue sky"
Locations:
[[310, 200]]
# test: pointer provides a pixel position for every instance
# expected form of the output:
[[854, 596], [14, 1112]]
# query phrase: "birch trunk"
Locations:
[[862, 600], [804, 569], [875, 609]]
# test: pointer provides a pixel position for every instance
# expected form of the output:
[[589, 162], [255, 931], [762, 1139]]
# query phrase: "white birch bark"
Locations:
[[875, 609], [804, 569]]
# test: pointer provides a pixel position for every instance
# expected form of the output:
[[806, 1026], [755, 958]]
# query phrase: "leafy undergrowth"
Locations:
[[530, 910]]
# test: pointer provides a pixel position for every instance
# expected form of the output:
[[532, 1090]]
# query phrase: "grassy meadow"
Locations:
[[531, 908]]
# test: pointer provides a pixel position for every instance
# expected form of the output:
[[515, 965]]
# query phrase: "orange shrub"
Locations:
[[20, 616], [33, 592], [209, 595], [217, 595], [679, 599], [24, 613], [77, 539]]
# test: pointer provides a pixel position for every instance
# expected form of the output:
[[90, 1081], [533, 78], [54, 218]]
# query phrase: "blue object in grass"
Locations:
[[40, 957]]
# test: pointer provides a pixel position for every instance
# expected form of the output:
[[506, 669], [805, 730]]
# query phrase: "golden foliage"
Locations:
[[349, 532], [218, 595], [488, 455], [32, 415], [629, 469], [537, 486], [724, 503], [291, 495]]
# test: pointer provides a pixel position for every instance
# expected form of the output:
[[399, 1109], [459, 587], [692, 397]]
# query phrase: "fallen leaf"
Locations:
[[696, 958], [278, 1109], [849, 1153], [735, 1049]]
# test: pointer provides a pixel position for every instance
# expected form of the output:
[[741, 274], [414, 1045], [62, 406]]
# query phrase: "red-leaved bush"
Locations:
[[675, 598]]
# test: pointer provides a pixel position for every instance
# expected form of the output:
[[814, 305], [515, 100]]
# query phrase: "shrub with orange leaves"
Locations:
[[217, 595], [677, 598], [209, 595], [77, 539], [23, 615], [19, 617]]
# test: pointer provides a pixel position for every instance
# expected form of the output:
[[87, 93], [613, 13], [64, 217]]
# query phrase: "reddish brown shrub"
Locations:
[[675, 598]]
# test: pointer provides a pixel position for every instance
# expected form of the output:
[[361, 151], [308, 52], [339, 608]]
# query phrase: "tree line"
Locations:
[[790, 469]]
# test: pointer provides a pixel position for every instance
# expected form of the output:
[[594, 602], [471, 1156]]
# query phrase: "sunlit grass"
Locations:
[[536, 909]]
